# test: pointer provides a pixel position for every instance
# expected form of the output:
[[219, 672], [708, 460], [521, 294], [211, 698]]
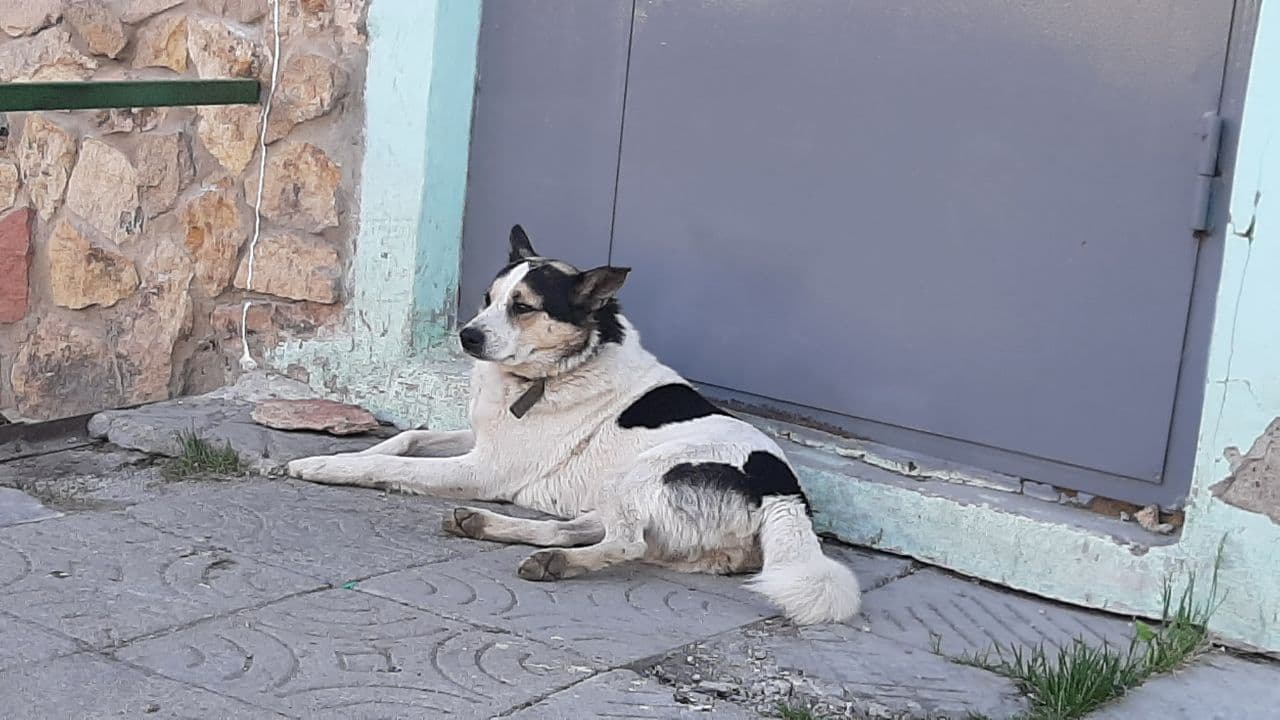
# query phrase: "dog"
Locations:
[[572, 417]]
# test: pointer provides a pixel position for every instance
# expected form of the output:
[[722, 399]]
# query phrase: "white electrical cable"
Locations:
[[247, 363]]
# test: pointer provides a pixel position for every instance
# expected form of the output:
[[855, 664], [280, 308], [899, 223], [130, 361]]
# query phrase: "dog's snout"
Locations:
[[472, 340]]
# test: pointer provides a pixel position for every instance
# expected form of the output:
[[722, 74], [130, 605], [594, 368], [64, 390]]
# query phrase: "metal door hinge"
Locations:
[[1206, 171]]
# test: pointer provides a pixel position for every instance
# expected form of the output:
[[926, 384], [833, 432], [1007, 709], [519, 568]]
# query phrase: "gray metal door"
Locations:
[[960, 227], [544, 138]]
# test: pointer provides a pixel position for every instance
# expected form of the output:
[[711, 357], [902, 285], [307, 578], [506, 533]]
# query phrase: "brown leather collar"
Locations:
[[530, 397]]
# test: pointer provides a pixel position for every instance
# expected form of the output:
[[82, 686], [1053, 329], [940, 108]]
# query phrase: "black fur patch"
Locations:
[[763, 475], [667, 404], [556, 288]]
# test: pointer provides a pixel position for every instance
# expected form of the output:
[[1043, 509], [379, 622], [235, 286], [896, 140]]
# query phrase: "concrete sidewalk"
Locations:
[[261, 597]]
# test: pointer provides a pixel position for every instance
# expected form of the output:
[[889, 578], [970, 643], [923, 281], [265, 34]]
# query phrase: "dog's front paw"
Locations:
[[464, 522], [544, 565], [312, 469]]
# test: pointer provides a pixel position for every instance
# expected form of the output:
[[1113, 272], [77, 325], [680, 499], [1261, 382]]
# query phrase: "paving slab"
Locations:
[[838, 671], [935, 610], [335, 534], [345, 654], [25, 642], [874, 569], [1216, 687], [616, 616], [625, 695], [17, 507], [86, 686], [91, 478], [103, 578]]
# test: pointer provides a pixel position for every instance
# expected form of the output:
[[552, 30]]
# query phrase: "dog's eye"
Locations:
[[521, 309], [487, 300]]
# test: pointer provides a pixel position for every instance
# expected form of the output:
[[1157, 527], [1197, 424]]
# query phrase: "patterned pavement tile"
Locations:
[[350, 655], [88, 687], [619, 615], [331, 533], [25, 642], [931, 608], [622, 695], [103, 578]]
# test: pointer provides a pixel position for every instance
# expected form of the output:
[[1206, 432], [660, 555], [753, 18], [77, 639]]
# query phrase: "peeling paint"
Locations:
[[1254, 483]]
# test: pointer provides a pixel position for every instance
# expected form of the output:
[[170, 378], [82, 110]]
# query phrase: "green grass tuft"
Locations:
[[787, 712], [1076, 679], [200, 457]]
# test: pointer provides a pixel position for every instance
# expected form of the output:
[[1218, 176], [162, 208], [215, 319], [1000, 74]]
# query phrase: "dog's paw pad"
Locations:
[[543, 565], [464, 522]]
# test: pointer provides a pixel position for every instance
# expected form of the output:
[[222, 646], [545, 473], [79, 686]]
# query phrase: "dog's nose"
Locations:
[[472, 340]]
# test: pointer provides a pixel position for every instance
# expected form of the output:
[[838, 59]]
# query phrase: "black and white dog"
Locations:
[[572, 417]]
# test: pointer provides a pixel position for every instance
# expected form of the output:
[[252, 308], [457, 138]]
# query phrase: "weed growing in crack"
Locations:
[[1078, 678], [200, 457], [788, 712]]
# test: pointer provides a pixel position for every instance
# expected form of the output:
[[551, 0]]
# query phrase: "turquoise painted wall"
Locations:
[[393, 351]]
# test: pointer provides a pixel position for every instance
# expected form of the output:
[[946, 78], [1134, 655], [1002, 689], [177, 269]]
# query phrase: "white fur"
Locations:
[[568, 457]]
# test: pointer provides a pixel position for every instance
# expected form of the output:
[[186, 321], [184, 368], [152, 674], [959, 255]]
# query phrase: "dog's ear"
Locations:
[[596, 287], [521, 248]]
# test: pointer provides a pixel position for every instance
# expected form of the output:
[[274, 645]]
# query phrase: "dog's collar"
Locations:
[[530, 397]]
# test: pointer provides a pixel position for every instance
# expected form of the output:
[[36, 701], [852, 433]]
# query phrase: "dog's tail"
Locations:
[[809, 586]]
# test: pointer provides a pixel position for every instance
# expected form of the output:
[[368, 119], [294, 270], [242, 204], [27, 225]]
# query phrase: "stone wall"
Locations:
[[125, 234]]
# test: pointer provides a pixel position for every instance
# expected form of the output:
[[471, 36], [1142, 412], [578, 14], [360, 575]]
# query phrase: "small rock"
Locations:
[[8, 184], [132, 11], [219, 50], [103, 191], [328, 416], [301, 188], [82, 274], [230, 133], [289, 266], [214, 230], [46, 154], [165, 168], [162, 42], [698, 701], [309, 87], [15, 264], [97, 26], [1149, 518], [721, 689], [24, 17], [124, 120], [48, 56]]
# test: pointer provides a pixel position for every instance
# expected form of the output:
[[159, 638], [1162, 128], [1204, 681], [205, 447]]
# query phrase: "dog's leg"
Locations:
[[480, 524], [425, 443], [621, 544], [454, 477]]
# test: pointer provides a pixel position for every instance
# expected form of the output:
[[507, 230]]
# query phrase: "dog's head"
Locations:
[[540, 314]]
